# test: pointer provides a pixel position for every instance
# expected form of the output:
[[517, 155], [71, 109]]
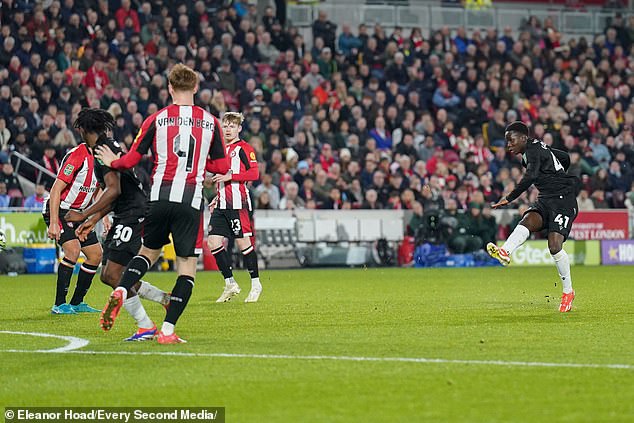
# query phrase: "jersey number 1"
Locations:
[[188, 154]]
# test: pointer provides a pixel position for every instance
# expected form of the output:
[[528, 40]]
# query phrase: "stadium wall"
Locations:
[[354, 238]]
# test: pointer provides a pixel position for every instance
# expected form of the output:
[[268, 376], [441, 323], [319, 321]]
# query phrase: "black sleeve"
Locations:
[[99, 166], [244, 159], [531, 174], [563, 157], [217, 150]]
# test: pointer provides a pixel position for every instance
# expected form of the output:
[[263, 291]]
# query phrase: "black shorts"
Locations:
[[183, 222], [68, 230], [557, 213], [124, 240], [231, 223]]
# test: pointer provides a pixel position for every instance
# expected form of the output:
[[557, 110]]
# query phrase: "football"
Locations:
[[3, 240]]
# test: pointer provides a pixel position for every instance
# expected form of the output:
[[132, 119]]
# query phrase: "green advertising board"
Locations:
[[22, 229], [536, 253]]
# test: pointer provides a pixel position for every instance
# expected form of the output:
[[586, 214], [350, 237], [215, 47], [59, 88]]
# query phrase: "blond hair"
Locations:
[[183, 78], [233, 117]]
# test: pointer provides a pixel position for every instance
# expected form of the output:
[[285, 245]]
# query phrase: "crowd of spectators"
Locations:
[[350, 117]]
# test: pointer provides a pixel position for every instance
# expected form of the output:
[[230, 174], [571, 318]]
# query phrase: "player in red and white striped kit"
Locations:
[[231, 216], [184, 140], [73, 189]]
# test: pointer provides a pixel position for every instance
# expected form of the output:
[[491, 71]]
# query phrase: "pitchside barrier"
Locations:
[[358, 237]]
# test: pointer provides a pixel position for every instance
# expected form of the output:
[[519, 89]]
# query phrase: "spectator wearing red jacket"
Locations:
[[124, 12], [326, 158], [97, 78]]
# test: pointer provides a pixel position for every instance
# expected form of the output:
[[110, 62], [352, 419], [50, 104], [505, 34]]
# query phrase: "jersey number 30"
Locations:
[[124, 233]]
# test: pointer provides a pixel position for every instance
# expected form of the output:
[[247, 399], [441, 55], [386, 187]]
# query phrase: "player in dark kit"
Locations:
[[185, 140], [555, 209], [123, 195]]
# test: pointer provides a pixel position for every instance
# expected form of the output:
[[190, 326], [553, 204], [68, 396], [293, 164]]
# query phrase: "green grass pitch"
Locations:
[[483, 326]]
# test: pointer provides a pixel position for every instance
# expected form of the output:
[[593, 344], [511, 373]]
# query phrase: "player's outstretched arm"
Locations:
[[503, 202], [104, 204], [139, 147], [530, 176]]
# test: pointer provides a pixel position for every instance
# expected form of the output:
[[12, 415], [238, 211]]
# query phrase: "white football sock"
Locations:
[[563, 267], [152, 293], [123, 291], [256, 285], [167, 328], [230, 281], [519, 235], [135, 308]]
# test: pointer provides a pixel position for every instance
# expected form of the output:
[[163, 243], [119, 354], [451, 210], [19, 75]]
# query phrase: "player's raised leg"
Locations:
[[110, 275], [149, 292], [531, 222], [138, 266]]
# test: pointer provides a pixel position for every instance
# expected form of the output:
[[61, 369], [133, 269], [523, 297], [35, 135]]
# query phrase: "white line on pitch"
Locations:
[[343, 358], [73, 342]]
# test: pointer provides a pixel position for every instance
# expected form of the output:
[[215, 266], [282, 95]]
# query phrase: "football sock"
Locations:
[[137, 267], [135, 308], [64, 273], [152, 293], [563, 267], [519, 235], [251, 263], [180, 296], [224, 264], [84, 280], [167, 328]]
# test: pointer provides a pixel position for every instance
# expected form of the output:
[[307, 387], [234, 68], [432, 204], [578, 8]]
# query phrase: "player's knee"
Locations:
[[214, 243], [94, 257], [108, 278], [554, 247], [71, 252], [243, 243]]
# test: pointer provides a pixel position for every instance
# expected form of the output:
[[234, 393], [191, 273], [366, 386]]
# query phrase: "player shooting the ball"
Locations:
[[555, 209]]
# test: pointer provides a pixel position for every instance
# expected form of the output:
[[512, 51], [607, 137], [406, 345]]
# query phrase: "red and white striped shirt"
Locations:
[[78, 171], [182, 140], [244, 168]]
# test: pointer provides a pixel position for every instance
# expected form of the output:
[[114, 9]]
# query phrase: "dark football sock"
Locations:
[[138, 266], [86, 273], [251, 261], [64, 273], [223, 262], [180, 297]]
